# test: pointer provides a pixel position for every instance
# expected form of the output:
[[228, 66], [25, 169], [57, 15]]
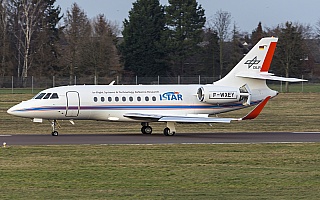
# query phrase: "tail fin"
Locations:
[[255, 65]]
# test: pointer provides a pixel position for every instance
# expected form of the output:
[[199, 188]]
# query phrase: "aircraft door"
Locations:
[[73, 104]]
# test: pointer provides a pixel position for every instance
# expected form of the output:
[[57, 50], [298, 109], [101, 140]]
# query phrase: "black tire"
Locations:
[[55, 133], [146, 130], [167, 132]]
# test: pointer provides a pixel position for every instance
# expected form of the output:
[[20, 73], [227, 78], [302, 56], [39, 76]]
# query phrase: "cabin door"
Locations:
[[73, 104]]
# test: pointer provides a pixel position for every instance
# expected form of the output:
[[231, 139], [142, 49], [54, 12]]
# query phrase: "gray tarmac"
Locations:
[[179, 138]]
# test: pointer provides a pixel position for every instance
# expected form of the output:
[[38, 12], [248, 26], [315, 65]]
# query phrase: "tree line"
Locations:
[[33, 41], [36, 39]]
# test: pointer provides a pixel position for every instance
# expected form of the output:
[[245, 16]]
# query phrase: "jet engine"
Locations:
[[212, 94]]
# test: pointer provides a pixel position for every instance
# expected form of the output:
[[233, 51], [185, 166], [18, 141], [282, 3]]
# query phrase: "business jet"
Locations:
[[244, 86]]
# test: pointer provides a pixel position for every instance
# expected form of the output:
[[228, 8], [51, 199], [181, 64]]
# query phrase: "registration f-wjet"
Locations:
[[244, 86]]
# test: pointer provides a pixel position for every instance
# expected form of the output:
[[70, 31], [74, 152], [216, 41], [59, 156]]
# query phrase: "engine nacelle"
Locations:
[[218, 94]]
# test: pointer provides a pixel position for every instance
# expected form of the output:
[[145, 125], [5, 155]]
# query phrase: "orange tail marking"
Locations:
[[268, 59], [256, 111]]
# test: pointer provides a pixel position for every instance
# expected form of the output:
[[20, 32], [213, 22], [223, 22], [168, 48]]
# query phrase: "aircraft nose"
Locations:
[[11, 110], [14, 110]]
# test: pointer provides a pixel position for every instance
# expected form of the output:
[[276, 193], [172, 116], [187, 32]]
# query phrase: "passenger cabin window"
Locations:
[[40, 96], [54, 96], [103, 99]]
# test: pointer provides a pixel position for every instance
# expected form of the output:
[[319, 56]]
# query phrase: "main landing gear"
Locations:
[[170, 130], [54, 125], [146, 129]]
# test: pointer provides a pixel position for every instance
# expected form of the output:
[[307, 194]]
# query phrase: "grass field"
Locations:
[[296, 87], [246, 171], [225, 171]]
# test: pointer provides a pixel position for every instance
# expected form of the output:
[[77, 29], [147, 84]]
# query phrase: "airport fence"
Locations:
[[33, 84]]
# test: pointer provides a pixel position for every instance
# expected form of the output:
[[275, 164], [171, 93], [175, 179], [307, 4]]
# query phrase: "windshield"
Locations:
[[46, 96], [39, 96]]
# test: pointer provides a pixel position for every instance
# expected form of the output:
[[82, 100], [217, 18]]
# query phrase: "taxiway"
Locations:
[[180, 138]]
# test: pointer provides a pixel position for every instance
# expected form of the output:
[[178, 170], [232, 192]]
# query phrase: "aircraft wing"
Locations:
[[187, 119], [140, 116]]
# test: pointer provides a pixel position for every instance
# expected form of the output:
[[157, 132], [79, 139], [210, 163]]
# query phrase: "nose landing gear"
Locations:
[[55, 125]]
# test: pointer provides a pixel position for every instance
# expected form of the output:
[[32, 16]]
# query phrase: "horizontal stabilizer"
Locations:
[[267, 76]]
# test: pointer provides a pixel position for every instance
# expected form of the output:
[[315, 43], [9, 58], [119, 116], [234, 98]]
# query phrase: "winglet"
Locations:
[[256, 111]]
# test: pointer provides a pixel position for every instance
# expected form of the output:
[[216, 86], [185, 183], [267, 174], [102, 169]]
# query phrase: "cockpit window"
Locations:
[[39, 96], [54, 96], [47, 96]]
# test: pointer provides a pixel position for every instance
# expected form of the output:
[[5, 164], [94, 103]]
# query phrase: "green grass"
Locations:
[[255, 171], [243, 171], [304, 87], [20, 91]]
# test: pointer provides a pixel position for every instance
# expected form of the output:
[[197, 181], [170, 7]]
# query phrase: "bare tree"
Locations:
[[31, 16], [28, 14], [317, 29], [104, 52], [101, 53], [291, 50], [77, 33], [3, 35], [221, 24]]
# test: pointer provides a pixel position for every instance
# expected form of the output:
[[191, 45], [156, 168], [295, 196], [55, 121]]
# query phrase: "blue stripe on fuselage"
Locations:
[[134, 107]]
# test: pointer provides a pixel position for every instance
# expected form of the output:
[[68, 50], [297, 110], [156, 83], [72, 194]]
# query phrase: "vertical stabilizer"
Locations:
[[255, 63]]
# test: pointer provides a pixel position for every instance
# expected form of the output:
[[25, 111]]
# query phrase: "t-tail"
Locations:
[[252, 71]]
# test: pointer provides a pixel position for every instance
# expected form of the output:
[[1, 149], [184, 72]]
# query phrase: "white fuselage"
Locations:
[[112, 102]]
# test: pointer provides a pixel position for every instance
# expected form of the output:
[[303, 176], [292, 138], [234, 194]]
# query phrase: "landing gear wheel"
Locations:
[[54, 125], [146, 130], [55, 133], [167, 132]]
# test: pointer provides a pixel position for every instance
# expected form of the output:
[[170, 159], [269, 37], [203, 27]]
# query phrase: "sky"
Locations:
[[246, 14]]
